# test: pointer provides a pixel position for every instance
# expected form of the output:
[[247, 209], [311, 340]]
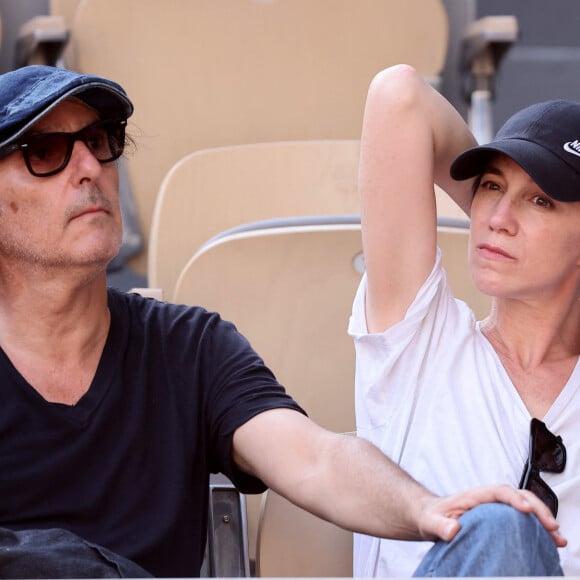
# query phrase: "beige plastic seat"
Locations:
[[215, 189], [212, 190], [263, 280], [289, 290], [65, 8], [294, 543], [41, 40], [212, 73]]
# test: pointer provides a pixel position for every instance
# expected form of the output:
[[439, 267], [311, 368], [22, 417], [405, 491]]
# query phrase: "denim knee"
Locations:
[[491, 517], [494, 540]]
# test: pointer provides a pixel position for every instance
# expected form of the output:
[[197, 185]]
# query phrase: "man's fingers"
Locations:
[[527, 502], [440, 516], [436, 526], [450, 529]]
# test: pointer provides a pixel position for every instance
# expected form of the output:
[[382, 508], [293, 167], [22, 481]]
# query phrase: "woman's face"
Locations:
[[523, 244]]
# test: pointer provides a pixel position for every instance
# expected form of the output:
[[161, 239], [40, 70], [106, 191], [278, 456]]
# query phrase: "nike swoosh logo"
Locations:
[[568, 148]]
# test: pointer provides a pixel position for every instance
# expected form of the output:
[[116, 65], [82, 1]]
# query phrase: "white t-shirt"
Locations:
[[433, 395]]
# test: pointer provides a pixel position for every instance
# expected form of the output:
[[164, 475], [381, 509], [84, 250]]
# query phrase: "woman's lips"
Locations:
[[493, 252]]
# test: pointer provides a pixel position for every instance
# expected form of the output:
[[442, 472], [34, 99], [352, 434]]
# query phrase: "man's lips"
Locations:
[[88, 211]]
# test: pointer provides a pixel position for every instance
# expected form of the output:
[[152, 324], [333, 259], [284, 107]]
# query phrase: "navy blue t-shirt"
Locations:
[[128, 466]]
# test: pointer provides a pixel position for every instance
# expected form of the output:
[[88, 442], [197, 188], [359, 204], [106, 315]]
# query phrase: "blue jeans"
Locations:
[[57, 553], [494, 540]]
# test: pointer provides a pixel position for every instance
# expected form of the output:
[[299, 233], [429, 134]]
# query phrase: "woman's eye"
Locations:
[[490, 185], [542, 201]]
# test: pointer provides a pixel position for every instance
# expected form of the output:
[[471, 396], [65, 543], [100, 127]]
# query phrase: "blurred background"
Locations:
[[543, 64]]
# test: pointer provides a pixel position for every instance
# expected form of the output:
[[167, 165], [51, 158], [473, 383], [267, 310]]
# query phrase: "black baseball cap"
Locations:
[[544, 140]]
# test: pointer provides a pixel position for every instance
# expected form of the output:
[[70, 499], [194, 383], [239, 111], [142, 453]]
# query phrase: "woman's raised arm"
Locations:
[[410, 136]]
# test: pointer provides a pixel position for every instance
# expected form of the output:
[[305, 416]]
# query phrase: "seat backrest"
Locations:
[[294, 543], [289, 290], [212, 190], [65, 8], [215, 189], [212, 73]]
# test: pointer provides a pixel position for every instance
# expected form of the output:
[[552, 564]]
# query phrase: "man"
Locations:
[[116, 407]]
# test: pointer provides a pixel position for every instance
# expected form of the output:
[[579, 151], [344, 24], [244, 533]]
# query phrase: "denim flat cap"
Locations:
[[30, 92]]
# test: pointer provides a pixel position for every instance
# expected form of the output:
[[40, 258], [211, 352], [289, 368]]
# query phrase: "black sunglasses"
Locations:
[[48, 153], [547, 453]]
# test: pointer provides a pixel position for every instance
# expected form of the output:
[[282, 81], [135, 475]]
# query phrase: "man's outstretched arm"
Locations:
[[350, 482]]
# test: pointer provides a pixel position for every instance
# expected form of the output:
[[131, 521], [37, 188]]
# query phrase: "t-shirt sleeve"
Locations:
[[434, 288], [389, 364]]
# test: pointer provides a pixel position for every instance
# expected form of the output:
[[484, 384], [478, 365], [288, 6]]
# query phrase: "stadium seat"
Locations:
[[289, 290], [212, 73], [262, 280], [215, 189], [212, 190], [65, 8], [288, 285], [41, 40], [294, 543]]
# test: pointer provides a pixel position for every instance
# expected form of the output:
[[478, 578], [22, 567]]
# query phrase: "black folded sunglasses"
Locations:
[[547, 453]]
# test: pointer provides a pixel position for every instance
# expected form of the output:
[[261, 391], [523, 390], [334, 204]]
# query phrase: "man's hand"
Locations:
[[438, 518]]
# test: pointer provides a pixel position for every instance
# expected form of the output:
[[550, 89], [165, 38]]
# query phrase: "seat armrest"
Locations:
[[485, 43], [41, 40], [227, 553]]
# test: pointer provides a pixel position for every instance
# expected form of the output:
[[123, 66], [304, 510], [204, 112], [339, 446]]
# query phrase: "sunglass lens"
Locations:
[[46, 153], [549, 453], [106, 141]]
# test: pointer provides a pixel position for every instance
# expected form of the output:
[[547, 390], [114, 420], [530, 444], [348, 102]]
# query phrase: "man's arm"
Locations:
[[349, 481]]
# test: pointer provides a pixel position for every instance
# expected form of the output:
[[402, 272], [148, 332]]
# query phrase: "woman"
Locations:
[[449, 398]]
